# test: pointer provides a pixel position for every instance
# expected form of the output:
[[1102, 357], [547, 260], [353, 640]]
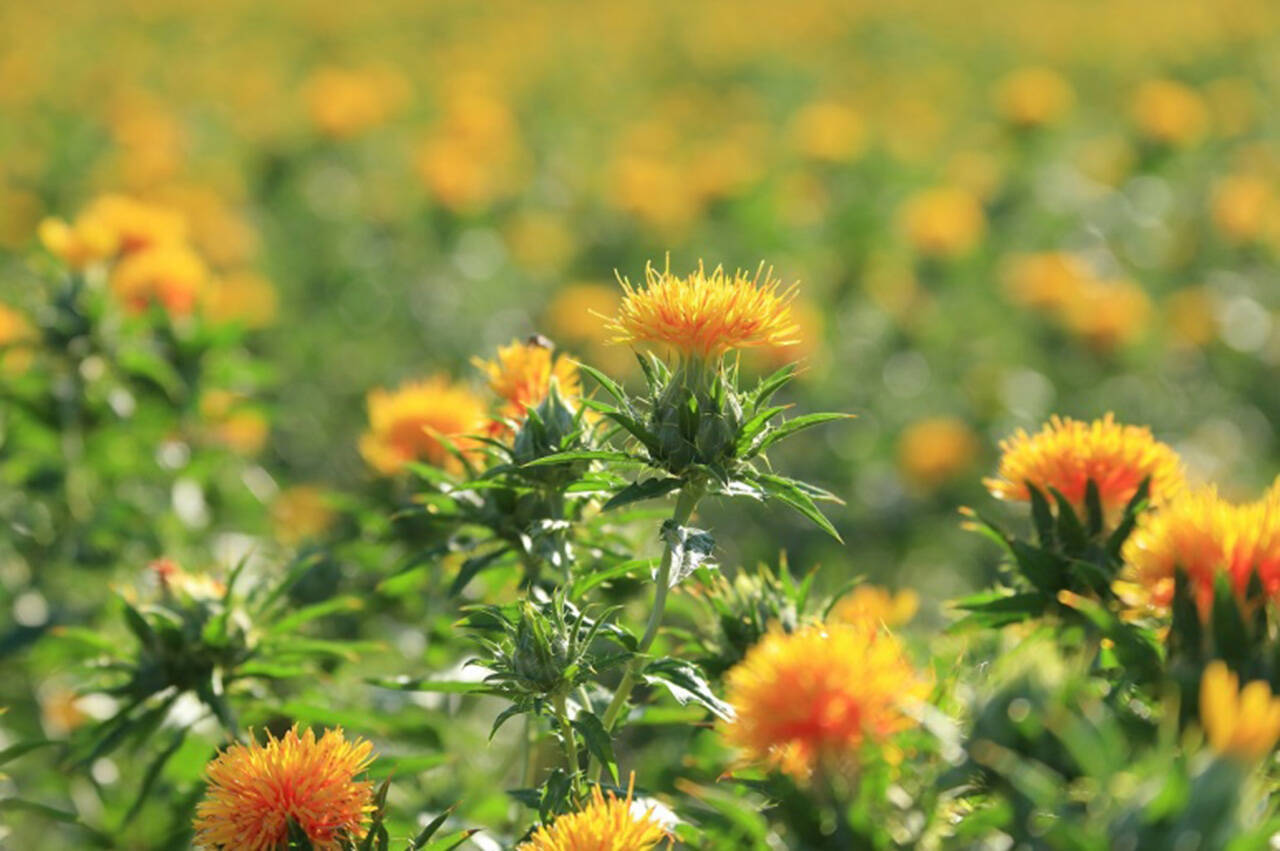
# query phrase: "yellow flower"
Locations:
[[934, 451], [604, 824], [244, 297], [521, 375], [811, 698], [1066, 454], [1240, 723], [255, 789], [1049, 280], [1170, 112], [470, 159], [1189, 316], [871, 604], [828, 130], [1242, 206], [346, 102], [574, 312], [703, 315], [1033, 97], [1202, 535], [944, 222], [301, 512], [1107, 313], [172, 276], [86, 241], [406, 424], [136, 224]]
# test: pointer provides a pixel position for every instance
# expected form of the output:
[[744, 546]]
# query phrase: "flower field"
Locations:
[[613, 427]]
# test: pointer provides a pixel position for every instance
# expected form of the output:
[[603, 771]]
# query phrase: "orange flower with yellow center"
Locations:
[[255, 789], [521, 375], [1203, 535], [407, 424], [171, 276], [604, 824], [1243, 723], [813, 697], [1066, 454], [136, 224], [705, 314]]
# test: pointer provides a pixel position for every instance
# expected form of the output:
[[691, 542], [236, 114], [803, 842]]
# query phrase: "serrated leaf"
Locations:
[[787, 491], [792, 427], [687, 685], [599, 743], [690, 548], [641, 490]]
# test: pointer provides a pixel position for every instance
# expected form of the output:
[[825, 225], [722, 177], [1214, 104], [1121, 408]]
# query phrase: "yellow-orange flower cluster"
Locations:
[[606, 823], [255, 789], [345, 102], [521, 375], [813, 697], [1105, 313], [1066, 454], [1203, 535], [407, 424], [1243, 723], [705, 314]]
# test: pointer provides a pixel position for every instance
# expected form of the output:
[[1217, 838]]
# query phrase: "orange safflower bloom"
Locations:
[[814, 696], [1066, 454], [172, 276], [1203, 535], [255, 789], [604, 824], [935, 450], [136, 224], [521, 375], [705, 314], [406, 424]]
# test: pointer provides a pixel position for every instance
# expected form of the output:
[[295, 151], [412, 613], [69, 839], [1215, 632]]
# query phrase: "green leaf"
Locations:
[[611, 387], [599, 743], [152, 774], [14, 751], [1041, 515], [309, 613], [643, 489], [995, 609], [1070, 531], [1093, 507], [582, 455], [472, 566], [690, 549], [794, 426], [405, 683], [788, 491], [687, 685], [772, 384], [447, 842], [755, 425]]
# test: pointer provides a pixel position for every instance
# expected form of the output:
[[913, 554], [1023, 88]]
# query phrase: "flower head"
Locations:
[[346, 102], [604, 824], [135, 224], [1033, 97], [255, 789], [1066, 454], [944, 222], [705, 314], [935, 450], [871, 604], [521, 375], [1203, 535], [813, 696], [171, 276], [1241, 723], [1170, 112], [407, 424]]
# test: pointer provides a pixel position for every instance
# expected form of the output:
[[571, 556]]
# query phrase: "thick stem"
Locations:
[[685, 504], [566, 737]]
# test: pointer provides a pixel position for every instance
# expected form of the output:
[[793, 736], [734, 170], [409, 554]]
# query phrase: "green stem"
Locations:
[[566, 736], [685, 504]]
